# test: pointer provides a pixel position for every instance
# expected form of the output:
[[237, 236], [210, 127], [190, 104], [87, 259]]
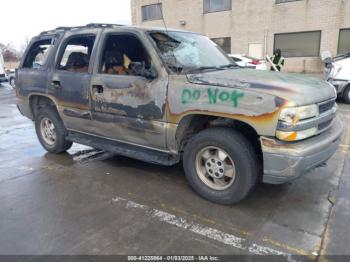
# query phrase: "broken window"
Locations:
[[77, 53], [344, 41], [183, 51], [302, 44], [121, 53], [38, 54], [152, 12], [216, 5], [224, 43]]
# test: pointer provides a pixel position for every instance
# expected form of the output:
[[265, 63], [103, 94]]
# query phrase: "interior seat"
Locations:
[[77, 61]]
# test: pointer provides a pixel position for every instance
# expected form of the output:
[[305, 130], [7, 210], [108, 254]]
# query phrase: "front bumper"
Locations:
[[286, 161]]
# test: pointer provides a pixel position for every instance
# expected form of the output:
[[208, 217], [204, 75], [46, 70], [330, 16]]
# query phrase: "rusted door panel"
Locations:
[[71, 91], [129, 108]]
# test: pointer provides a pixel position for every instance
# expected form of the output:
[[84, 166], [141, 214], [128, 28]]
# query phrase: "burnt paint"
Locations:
[[227, 82], [298, 89], [149, 111]]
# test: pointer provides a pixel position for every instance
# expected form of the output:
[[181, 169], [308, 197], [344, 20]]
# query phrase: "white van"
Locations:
[[337, 72], [2, 70]]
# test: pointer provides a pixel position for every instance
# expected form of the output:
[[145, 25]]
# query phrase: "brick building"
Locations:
[[301, 28]]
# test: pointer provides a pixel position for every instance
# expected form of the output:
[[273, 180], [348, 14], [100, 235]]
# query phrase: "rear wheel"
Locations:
[[221, 165], [346, 94], [51, 131]]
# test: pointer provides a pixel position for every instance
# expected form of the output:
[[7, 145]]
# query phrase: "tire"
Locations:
[[346, 94], [12, 82], [238, 150], [47, 119]]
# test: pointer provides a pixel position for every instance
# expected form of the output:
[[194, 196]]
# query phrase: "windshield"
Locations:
[[187, 52]]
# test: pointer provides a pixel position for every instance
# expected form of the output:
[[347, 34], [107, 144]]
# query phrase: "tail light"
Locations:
[[256, 62]]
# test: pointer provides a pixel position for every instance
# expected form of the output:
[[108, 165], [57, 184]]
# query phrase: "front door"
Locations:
[[70, 80], [125, 106]]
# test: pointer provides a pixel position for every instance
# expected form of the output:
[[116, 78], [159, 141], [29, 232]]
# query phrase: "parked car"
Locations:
[[2, 69], [337, 72], [249, 62], [165, 96], [11, 77]]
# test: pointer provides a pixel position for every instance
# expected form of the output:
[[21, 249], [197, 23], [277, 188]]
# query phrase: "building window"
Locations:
[[152, 12], [285, 1], [224, 43], [344, 41], [217, 5], [303, 44]]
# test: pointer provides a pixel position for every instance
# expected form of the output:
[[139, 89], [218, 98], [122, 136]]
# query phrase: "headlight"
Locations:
[[292, 115], [296, 135], [289, 118]]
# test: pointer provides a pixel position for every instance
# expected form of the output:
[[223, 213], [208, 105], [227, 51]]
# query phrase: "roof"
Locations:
[[101, 25]]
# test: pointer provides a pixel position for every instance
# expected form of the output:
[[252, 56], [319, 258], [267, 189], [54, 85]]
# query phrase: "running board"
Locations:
[[119, 148]]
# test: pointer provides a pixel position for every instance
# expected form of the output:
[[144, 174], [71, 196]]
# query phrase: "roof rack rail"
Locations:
[[91, 25], [103, 25]]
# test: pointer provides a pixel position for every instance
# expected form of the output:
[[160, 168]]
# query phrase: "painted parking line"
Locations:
[[208, 232], [193, 216]]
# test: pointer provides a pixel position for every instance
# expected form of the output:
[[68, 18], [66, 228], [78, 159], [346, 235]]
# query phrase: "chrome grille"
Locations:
[[326, 106], [324, 109]]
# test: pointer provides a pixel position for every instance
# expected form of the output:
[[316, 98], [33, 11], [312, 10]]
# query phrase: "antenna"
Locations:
[[166, 30], [163, 19]]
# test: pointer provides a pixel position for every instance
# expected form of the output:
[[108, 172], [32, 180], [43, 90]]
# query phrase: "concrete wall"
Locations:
[[250, 21], [11, 65]]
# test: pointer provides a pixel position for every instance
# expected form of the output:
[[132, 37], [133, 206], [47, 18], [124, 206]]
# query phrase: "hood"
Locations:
[[296, 88]]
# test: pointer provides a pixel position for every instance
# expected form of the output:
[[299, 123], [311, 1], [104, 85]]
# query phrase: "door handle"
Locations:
[[97, 89], [56, 83]]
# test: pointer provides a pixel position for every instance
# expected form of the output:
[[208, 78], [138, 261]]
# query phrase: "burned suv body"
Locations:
[[165, 96]]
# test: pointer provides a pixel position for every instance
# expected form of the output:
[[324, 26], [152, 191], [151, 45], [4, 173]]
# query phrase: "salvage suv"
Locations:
[[165, 96]]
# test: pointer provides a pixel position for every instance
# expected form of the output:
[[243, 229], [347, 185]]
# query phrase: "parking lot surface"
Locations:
[[92, 202]]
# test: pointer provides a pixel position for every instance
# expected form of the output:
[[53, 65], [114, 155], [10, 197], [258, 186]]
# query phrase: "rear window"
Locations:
[[38, 54]]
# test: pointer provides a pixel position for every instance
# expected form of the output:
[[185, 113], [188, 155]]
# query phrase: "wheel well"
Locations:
[[37, 102], [193, 124]]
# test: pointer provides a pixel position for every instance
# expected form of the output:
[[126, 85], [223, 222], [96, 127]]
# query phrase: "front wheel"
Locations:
[[51, 131], [221, 165]]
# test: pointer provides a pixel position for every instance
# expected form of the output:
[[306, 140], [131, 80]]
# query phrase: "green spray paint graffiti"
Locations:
[[214, 96]]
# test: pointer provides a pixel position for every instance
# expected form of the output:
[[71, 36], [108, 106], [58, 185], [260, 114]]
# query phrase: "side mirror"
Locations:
[[139, 68]]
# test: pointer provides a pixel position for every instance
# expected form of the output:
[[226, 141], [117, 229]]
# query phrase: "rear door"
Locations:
[[70, 78], [125, 106], [33, 70]]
